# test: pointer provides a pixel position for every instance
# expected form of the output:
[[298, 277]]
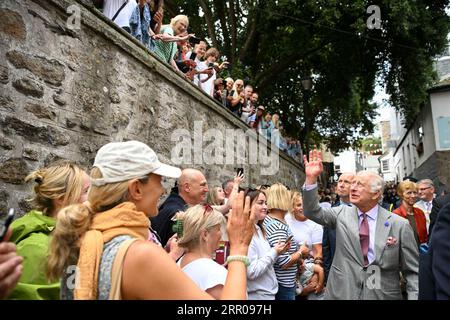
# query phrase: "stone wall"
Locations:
[[443, 162], [65, 92], [436, 168]]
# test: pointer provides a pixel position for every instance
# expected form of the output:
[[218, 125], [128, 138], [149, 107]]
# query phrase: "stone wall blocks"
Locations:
[[6, 103], [51, 71], [51, 158], [13, 170], [59, 99], [6, 143], [71, 123], [114, 96], [31, 154], [25, 204], [35, 133], [55, 78], [4, 197], [4, 74], [40, 111], [29, 87], [12, 25], [56, 26]]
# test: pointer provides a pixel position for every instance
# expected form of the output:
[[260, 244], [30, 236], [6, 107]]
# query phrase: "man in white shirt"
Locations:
[[426, 195], [111, 7], [253, 101]]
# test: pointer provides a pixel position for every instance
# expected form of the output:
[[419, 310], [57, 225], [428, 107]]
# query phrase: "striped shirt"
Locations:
[[279, 231]]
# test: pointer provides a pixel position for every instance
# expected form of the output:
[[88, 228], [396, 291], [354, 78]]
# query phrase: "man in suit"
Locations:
[[372, 245], [438, 203], [434, 278], [426, 195], [329, 234]]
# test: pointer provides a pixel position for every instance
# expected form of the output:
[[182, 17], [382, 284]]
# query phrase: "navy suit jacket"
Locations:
[[328, 246], [434, 271], [438, 204], [163, 223]]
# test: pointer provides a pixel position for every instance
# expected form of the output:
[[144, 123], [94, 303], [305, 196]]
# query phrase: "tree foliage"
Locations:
[[274, 44]]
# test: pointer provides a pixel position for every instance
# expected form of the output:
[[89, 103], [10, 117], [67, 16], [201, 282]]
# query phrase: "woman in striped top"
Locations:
[[286, 264]]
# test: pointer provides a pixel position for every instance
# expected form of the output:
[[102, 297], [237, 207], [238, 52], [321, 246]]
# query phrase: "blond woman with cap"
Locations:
[[106, 240]]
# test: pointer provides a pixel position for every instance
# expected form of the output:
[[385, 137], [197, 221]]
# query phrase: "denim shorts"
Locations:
[[285, 293]]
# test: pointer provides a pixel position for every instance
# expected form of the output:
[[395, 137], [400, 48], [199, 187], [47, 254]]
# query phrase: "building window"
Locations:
[[408, 150], [420, 132], [385, 165]]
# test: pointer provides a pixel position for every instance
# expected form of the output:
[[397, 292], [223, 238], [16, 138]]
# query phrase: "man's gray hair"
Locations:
[[427, 182], [376, 182]]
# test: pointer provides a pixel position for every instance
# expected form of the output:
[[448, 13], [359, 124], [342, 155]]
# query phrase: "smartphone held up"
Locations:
[[4, 224]]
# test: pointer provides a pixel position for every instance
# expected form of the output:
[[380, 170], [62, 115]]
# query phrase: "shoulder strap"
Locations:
[[116, 272], [120, 9]]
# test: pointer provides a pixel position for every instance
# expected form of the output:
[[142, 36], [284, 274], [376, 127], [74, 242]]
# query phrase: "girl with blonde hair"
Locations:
[[216, 196], [107, 238], [277, 229], [55, 187], [200, 235]]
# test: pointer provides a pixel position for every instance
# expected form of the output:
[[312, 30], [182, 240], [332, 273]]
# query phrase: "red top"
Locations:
[[421, 221]]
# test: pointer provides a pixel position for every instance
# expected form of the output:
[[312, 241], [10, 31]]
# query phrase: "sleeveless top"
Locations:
[[104, 277]]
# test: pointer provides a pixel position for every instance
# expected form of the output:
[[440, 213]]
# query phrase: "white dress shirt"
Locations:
[[426, 207]]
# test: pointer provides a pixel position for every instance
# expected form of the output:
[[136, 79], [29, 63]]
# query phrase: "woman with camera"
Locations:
[[237, 97], [166, 47]]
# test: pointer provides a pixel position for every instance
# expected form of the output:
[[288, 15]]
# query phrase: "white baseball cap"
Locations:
[[122, 161]]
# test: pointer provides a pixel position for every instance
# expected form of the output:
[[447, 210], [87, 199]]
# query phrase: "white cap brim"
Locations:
[[168, 171]]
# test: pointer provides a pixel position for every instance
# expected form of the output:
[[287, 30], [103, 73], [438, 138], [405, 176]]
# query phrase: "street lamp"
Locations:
[[307, 83], [307, 86]]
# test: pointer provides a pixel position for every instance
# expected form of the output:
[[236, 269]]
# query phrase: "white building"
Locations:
[[345, 162], [388, 145], [423, 149]]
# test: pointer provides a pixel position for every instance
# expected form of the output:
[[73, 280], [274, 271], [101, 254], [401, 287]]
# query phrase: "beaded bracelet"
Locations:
[[243, 259]]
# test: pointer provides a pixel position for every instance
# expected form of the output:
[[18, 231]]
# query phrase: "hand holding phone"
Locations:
[[4, 225], [289, 239]]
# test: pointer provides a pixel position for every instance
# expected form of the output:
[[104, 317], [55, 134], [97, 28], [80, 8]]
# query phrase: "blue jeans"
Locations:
[[285, 293]]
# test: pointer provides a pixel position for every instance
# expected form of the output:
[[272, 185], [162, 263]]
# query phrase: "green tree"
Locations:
[[274, 44]]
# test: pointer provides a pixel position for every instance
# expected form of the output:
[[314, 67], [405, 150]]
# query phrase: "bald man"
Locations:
[[191, 190]]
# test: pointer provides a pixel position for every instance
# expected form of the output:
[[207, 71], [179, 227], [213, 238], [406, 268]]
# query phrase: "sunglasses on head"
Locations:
[[208, 208]]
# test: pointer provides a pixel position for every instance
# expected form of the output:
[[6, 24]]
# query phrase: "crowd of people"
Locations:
[[191, 57], [103, 235]]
